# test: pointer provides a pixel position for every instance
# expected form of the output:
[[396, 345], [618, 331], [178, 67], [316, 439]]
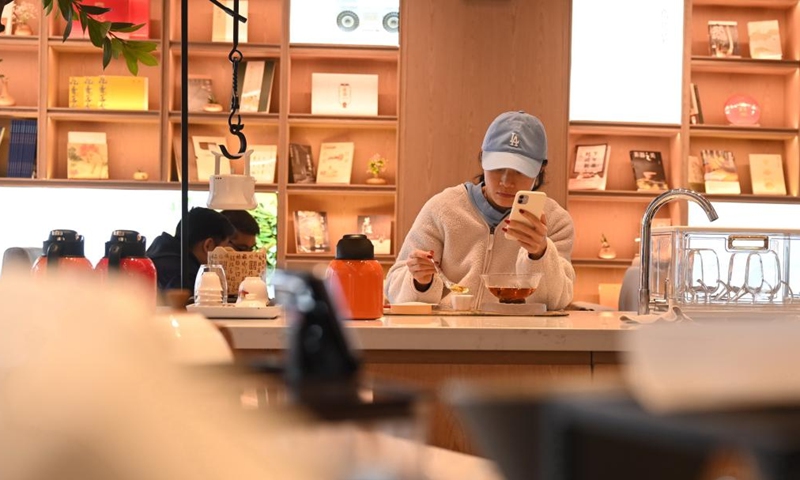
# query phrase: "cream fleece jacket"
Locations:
[[450, 219]]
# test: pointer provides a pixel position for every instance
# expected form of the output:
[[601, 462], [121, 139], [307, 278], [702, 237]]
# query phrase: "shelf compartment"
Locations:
[[745, 66], [386, 54], [96, 115], [749, 133], [601, 263], [221, 118], [749, 198], [301, 69], [117, 184], [264, 21], [626, 129]]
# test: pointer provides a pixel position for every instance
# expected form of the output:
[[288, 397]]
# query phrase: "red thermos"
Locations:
[[62, 252], [125, 254], [360, 277]]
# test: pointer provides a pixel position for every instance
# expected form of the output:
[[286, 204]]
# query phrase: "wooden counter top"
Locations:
[[579, 331]]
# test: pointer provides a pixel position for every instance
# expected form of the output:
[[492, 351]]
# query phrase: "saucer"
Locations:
[[514, 308]]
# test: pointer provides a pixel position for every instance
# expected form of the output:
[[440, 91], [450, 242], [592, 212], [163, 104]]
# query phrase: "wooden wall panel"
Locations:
[[462, 63]]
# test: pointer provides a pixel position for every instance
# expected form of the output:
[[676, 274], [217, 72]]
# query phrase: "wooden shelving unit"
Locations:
[[775, 84], [40, 66]]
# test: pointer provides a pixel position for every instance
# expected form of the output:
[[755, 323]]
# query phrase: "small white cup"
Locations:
[[253, 289], [461, 302]]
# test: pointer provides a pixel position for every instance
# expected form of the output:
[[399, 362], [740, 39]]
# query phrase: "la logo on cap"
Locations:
[[514, 142]]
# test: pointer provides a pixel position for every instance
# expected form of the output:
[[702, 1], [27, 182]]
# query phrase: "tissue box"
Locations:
[[238, 265], [725, 269]]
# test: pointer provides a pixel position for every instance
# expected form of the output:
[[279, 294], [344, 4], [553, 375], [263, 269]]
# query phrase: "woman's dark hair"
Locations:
[[537, 182], [206, 223]]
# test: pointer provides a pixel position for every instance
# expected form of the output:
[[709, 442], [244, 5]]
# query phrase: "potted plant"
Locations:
[[23, 13], [376, 166], [5, 98]]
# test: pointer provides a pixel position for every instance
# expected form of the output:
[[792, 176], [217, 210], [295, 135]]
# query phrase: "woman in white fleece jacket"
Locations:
[[463, 227]]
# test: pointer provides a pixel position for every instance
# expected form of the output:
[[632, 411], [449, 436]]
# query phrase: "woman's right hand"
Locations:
[[420, 264]]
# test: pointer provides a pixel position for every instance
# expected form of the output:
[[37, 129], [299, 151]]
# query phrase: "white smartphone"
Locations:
[[530, 202]]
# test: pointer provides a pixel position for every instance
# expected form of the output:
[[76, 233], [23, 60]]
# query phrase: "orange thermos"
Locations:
[[125, 254], [62, 252], [360, 277]]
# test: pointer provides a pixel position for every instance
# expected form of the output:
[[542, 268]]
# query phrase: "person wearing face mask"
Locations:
[[463, 227], [207, 230]]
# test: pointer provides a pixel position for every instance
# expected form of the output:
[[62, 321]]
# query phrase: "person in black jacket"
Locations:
[[207, 230]]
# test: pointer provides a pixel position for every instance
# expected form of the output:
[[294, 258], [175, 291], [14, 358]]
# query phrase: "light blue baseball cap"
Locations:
[[515, 140]]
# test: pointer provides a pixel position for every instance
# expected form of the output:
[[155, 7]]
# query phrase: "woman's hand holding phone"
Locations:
[[527, 223]]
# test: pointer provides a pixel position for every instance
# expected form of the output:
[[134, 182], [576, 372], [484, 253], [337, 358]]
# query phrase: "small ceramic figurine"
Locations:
[[606, 252], [212, 105], [140, 176]]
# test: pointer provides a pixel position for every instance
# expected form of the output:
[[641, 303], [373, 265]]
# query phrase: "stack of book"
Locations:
[[22, 148]]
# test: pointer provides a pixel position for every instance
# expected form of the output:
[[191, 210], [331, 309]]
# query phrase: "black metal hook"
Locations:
[[235, 56]]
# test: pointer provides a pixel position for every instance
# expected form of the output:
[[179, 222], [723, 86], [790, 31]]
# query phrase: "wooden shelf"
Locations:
[[19, 112], [602, 263], [94, 115], [116, 184], [611, 196], [750, 198], [324, 121], [745, 66], [254, 50], [776, 4], [629, 129], [316, 189], [212, 118], [18, 43], [388, 54], [749, 133]]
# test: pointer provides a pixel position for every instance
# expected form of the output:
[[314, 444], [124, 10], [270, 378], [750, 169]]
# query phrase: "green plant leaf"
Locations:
[[48, 6], [67, 30], [116, 47], [106, 52], [65, 7], [147, 59], [130, 59], [125, 27], [93, 10], [84, 20]]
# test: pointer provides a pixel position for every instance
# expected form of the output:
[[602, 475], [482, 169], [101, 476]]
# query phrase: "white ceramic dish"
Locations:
[[230, 310]]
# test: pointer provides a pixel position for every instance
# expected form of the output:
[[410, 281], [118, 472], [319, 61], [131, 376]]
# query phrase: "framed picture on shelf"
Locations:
[[335, 163], [255, 91], [765, 40], [723, 39], [590, 169], [200, 93], [378, 228], [262, 163], [766, 174], [203, 148], [87, 155], [311, 232], [348, 94]]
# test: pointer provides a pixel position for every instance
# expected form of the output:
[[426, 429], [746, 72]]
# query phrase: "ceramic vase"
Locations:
[[6, 100], [23, 29], [376, 181]]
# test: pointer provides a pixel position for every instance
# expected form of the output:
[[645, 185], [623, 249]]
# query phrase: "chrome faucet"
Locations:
[[644, 238]]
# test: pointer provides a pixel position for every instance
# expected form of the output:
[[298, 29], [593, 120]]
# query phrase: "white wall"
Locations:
[[627, 59]]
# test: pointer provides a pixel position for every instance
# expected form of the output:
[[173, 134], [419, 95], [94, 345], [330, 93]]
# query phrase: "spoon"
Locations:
[[452, 286]]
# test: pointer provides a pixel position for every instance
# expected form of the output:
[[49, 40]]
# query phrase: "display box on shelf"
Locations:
[[346, 94]]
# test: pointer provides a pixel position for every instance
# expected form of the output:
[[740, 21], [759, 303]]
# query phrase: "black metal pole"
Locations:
[[184, 134]]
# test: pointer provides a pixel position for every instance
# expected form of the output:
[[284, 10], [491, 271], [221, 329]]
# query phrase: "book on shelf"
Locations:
[[87, 156], [301, 163], [255, 90], [723, 38], [199, 92], [77, 92], [695, 109], [590, 169], [176, 146], [262, 163], [720, 174], [765, 40], [7, 18], [122, 92], [204, 157], [22, 148], [335, 162], [378, 228], [5, 134], [311, 231], [222, 23], [766, 174], [348, 94], [648, 170], [696, 174]]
